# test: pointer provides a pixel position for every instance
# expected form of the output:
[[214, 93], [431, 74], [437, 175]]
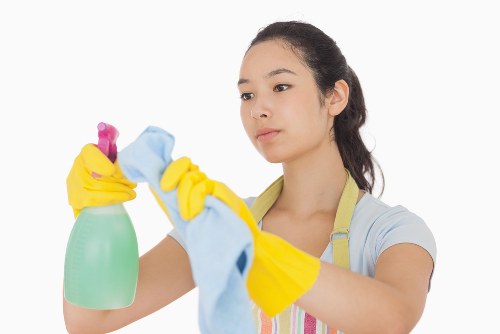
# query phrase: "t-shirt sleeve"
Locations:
[[174, 233], [402, 226]]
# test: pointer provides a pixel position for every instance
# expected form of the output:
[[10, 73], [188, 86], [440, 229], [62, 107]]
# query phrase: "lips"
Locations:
[[266, 134]]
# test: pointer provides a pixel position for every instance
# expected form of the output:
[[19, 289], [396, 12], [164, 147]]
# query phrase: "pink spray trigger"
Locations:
[[107, 140]]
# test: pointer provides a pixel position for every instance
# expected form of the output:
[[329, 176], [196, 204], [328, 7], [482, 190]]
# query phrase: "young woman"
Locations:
[[301, 106]]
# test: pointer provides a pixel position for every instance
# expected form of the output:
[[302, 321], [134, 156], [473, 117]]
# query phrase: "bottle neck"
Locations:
[[111, 209]]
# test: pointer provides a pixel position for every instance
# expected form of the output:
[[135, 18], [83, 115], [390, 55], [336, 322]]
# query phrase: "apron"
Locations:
[[294, 320]]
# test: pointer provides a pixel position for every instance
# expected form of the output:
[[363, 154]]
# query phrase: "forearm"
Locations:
[[79, 320], [391, 302], [164, 276], [358, 304]]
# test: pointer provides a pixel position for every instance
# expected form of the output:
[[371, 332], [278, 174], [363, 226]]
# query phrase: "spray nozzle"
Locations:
[[107, 140]]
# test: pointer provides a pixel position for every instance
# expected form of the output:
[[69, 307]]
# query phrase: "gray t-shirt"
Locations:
[[375, 226]]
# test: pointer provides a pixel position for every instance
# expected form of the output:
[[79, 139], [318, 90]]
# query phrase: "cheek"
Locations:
[[246, 122], [311, 126]]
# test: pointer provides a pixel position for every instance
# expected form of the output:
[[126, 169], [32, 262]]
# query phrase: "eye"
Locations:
[[281, 87], [246, 96]]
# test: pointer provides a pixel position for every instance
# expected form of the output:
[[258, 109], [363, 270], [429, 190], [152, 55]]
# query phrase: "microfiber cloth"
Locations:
[[219, 244]]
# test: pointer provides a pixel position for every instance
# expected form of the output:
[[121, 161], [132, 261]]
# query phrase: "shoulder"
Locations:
[[373, 210], [379, 226], [374, 213]]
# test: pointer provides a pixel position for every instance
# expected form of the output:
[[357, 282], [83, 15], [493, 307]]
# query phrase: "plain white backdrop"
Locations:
[[429, 71]]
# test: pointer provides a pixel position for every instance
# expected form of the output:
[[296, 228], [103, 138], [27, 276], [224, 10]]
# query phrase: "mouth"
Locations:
[[264, 135]]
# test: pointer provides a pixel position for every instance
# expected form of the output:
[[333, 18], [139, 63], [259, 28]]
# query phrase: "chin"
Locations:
[[273, 157], [273, 161]]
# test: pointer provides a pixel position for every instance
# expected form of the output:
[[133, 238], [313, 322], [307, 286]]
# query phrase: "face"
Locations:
[[280, 104]]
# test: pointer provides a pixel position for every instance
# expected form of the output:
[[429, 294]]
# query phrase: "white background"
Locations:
[[429, 70]]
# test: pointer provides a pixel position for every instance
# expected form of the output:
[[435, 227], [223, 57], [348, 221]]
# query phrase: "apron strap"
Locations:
[[340, 234], [266, 199]]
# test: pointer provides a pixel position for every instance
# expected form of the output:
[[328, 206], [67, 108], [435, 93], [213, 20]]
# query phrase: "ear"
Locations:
[[337, 100]]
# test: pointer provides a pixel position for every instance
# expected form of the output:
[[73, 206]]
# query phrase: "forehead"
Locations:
[[269, 55]]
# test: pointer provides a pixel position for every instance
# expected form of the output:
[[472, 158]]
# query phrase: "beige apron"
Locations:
[[339, 238]]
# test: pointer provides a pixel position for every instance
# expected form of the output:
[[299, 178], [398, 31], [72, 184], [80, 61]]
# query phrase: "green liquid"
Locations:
[[102, 259]]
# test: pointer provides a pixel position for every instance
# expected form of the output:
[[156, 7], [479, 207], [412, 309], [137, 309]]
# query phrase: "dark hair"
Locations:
[[328, 65]]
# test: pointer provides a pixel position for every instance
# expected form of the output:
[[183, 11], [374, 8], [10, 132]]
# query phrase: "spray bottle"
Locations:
[[102, 258]]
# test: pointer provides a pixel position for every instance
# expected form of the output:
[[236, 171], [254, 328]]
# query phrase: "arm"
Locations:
[[164, 276], [392, 302]]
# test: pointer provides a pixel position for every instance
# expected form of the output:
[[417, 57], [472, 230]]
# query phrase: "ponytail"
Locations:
[[357, 159]]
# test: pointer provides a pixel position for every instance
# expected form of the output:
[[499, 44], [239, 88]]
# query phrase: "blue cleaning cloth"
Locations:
[[218, 242]]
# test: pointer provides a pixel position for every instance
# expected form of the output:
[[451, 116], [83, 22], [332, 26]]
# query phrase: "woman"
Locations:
[[301, 106]]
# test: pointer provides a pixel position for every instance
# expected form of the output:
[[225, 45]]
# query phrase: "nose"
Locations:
[[259, 113]]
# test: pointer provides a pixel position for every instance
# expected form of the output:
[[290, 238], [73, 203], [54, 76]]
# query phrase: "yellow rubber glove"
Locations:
[[95, 181], [280, 273], [171, 177]]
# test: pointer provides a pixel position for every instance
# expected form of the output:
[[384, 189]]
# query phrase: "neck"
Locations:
[[314, 183]]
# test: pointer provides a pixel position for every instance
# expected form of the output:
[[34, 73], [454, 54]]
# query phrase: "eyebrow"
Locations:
[[269, 75]]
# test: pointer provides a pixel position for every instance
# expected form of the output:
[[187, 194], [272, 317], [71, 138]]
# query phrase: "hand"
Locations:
[[280, 273], [95, 181], [193, 186], [169, 181]]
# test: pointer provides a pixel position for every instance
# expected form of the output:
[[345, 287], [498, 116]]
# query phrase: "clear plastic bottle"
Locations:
[[102, 258]]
